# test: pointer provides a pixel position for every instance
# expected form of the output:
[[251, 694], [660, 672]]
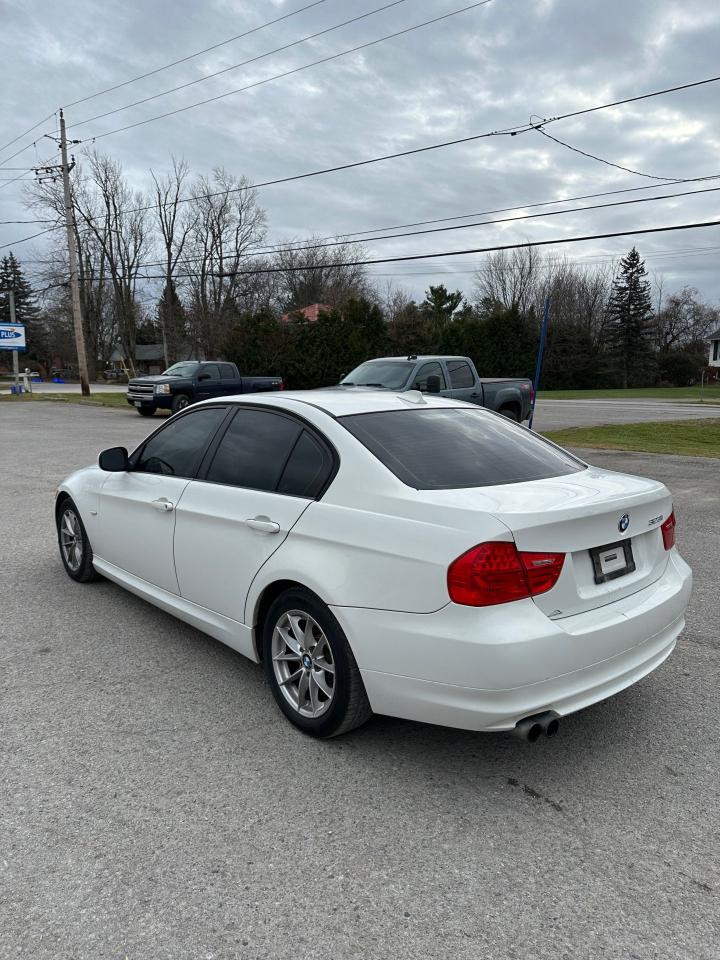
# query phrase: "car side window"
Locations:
[[432, 369], [210, 369], [226, 371], [308, 469], [460, 374], [176, 449], [254, 450]]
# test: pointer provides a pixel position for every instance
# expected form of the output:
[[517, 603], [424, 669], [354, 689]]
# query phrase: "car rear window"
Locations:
[[444, 449]]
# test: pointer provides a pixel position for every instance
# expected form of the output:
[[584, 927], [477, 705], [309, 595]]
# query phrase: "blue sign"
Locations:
[[12, 336]]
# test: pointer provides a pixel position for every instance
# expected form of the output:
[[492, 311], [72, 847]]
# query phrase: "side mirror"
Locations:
[[114, 460], [432, 384], [204, 376]]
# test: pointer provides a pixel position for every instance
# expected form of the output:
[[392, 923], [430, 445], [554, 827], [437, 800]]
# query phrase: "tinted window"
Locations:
[[442, 449], [254, 450], [429, 370], [211, 370], [308, 468], [460, 374], [177, 448], [226, 371]]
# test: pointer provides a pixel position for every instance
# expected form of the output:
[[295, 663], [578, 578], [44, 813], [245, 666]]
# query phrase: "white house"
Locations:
[[714, 339]]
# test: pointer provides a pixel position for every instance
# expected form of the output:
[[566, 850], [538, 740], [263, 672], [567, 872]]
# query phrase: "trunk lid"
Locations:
[[574, 515]]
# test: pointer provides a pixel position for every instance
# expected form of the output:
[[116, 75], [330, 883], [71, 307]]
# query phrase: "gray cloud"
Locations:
[[488, 68]]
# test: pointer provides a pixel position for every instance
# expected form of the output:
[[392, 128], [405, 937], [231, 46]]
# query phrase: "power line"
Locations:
[[25, 134], [338, 242], [15, 243], [609, 163], [244, 63], [457, 253], [288, 73], [192, 56]]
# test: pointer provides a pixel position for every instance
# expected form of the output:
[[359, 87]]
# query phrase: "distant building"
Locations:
[[149, 358], [311, 312], [714, 339]]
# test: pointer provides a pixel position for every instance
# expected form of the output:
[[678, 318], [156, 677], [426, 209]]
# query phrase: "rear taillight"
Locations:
[[497, 572], [282, 385], [668, 531]]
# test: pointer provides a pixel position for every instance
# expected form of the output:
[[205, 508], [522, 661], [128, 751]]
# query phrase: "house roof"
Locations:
[[715, 336]]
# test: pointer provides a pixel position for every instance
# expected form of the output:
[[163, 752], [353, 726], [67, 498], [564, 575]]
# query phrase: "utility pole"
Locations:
[[72, 259], [16, 361]]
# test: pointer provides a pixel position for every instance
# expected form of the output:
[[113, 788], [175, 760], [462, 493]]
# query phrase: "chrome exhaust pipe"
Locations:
[[532, 728]]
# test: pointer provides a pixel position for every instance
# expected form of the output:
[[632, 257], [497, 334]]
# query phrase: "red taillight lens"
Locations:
[[497, 572], [668, 531], [282, 385], [542, 570]]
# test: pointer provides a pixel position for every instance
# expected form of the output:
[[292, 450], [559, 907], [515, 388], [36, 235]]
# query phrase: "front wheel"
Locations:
[[146, 411], [179, 402], [75, 550], [310, 666]]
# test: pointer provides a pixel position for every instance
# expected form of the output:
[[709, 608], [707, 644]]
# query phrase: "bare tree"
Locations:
[[227, 224], [312, 273], [685, 319], [510, 277], [114, 214], [175, 224]]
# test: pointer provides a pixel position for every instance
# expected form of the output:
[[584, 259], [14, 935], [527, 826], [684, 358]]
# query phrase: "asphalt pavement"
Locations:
[[154, 804]]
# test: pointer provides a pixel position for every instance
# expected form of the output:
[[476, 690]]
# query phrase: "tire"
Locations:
[[511, 413], [179, 402], [328, 697], [146, 411], [75, 550]]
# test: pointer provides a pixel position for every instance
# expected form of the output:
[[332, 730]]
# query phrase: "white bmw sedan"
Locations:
[[392, 553]]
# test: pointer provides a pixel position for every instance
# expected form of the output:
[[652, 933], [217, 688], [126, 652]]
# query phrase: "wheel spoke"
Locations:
[[77, 553], [286, 656], [291, 677], [297, 630], [303, 690], [312, 689], [67, 526], [321, 683], [290, 642], [325, 666]]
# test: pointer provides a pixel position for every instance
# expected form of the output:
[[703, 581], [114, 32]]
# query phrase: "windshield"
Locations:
[[186, 369], [390, 374], [448, 448]]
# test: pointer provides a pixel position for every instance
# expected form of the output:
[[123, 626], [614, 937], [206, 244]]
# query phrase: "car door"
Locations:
[[230, 384], [462, 381], [136, 509], [265, 470], [431, 369], [208, 383]]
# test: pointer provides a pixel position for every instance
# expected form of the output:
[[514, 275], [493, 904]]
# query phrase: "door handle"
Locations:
[[163, 505], [263, 524]]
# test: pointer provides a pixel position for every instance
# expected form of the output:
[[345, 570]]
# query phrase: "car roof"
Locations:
[[340, 403]]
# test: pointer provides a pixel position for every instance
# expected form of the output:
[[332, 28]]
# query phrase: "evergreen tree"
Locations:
[[630, 334], [440, 304], [172, 322], [12, 277]]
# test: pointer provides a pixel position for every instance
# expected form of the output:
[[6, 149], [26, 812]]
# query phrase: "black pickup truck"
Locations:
[[192, 380]]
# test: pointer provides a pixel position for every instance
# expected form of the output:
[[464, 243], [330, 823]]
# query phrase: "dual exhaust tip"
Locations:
[[532, 728]]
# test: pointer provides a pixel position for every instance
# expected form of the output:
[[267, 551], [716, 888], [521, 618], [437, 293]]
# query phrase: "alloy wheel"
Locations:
[[303, 663], [71, 540]]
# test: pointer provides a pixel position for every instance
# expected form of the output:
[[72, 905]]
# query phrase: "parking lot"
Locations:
[[156, 805]]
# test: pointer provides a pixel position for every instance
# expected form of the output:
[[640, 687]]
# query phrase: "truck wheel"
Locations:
[[145, 411], [511, 413], [179, 402]]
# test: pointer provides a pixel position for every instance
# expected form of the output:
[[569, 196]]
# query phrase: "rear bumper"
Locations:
[[486, 669]]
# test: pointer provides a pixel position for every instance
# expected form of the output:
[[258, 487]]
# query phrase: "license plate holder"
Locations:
[[612, 560]]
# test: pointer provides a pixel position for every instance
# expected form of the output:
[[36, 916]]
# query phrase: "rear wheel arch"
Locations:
[[266, 599]]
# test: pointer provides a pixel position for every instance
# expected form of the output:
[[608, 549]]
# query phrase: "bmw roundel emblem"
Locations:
[[623, 523]]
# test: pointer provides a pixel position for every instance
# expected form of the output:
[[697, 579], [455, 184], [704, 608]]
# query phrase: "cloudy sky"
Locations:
[[484, 69]]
